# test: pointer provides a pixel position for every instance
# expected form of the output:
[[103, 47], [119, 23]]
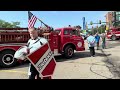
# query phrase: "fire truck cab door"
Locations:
[[66, 35], [74, 34]]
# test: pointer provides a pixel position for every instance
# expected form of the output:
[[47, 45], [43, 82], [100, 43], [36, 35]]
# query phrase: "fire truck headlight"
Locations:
[[79, 44]]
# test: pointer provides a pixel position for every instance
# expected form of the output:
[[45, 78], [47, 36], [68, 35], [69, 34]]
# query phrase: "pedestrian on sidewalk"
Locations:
[[91, 44], [103, 41], [97, 38]]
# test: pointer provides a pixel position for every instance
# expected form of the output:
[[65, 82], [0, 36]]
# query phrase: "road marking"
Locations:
[[13, 71]]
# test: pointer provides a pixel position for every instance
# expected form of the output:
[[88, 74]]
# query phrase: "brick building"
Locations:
[[109, 19]]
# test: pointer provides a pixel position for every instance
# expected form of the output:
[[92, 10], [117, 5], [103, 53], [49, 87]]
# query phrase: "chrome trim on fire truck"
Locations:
[[13, 44]]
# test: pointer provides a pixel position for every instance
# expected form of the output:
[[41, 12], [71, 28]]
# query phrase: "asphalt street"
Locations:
[[105, 65]]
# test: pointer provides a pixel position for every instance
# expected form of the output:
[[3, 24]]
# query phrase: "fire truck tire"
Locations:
[[7, 59], [68, 52], [113, 38]]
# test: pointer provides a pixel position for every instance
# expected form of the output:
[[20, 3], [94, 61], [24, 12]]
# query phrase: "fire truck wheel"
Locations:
[[68, 52], [114, 38], [7, 59]]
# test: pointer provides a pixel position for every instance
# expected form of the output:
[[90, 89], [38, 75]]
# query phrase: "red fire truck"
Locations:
[[113, 33], [62, 41]]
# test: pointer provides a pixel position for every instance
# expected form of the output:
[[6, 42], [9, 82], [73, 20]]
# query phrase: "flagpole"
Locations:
[[40, 21], [43, 22]]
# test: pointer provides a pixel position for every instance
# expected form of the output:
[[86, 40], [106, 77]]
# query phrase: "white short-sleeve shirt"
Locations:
[[34, 45]]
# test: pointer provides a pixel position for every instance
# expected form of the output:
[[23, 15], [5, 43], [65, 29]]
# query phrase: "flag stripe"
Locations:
[[32, 20], [38, 54]]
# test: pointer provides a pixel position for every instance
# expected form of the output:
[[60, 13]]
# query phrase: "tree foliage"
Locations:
[[4, 24], [100, 29]]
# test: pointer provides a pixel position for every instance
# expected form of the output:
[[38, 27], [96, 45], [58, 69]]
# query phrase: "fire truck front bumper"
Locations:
[[109, 36], [80, 49]]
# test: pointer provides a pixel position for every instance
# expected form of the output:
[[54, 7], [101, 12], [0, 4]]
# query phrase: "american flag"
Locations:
[[31, 19]]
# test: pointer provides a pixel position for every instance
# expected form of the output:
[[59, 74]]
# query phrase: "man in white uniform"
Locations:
[[33, 44]]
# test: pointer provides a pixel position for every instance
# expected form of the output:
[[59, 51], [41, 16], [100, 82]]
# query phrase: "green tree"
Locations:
[[102, 29], [4, 24], [15, 24], [95, 30]]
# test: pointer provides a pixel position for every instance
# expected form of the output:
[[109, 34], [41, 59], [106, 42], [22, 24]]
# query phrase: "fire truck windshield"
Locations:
[[74, 32], [58, 31]]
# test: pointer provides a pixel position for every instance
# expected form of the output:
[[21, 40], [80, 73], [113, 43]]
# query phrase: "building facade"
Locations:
[[113, 19], [109, 18]]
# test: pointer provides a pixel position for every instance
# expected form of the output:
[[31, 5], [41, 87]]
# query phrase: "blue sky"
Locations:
[[56, 19]]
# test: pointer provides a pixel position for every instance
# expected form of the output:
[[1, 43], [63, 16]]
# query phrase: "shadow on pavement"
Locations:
[[60, 58], [22, 65], [114, 61], [78, 55]]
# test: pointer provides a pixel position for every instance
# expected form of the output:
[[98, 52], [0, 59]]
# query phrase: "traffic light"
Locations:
[[99, 21], [91, 23]]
